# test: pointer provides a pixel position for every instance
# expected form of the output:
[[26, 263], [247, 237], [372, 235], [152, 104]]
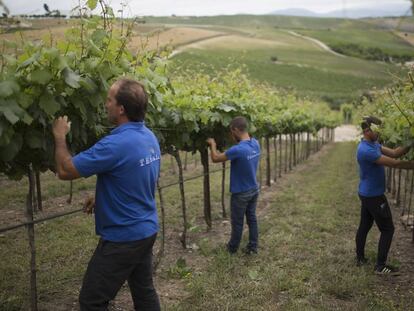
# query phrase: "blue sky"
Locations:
[[202, 7]]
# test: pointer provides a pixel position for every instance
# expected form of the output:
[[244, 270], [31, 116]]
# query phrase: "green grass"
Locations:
[[306, 254], [405, 23], [65, 245], [257, 21], [305, 259], [387, 41]]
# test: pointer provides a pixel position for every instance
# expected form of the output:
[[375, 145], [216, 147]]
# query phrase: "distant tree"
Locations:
[[46, 7], [5, 8]]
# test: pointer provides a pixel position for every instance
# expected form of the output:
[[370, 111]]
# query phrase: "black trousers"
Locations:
[[375, 209], [110, 266]]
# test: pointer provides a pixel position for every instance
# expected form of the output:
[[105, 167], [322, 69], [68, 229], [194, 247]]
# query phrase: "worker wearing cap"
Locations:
[[372, 157]]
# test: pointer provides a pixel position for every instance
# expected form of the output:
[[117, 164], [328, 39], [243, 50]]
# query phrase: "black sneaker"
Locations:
[[361, 262], [386, 270], [249, 251], [230, 250]]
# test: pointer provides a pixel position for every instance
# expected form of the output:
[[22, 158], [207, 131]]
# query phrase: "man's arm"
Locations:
[[394, 153], [216, 156], [64, 165], [390, 162]]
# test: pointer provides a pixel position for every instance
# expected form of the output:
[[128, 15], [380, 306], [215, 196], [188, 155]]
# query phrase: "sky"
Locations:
[[201, 7]]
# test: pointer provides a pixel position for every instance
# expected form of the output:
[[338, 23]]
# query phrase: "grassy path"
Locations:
[[306, 256], [307, 224]]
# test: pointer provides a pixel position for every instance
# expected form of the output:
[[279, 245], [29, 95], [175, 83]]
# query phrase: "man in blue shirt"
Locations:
[[243, 184], [127, 164], [372, 157]]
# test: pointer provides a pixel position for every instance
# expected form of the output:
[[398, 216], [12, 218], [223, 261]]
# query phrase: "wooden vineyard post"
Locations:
[[38, 191], [280, 155], [31, 237], [275, 160], [161, 251], [398, 199], [294, 149], [177, 157], [286, 153], [206, 186], [290, 151], [268, 170]]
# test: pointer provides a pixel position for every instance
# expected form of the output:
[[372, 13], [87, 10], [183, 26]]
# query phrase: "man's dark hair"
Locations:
[[131, 94], [367, 121], [239, 123]]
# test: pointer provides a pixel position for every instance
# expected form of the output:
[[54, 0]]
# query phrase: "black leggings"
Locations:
[[375, 209]]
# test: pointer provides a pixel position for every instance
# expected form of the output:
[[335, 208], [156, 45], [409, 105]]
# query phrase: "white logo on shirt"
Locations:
[[253, 155], [148, 160]]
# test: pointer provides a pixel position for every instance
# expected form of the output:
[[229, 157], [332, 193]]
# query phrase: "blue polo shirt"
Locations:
[[244, 161], [372, 175], [127, 164]]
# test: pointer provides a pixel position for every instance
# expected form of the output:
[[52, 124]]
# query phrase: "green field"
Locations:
[[369, 38], [302, 66], [256, 21]]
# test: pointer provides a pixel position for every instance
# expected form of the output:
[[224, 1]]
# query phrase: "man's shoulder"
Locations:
[[110, 140], [365, 146], [369, 151]]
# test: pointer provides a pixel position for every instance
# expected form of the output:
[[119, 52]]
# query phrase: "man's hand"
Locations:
[[211, 141], [89, 206], [215, 155], [61, 127]]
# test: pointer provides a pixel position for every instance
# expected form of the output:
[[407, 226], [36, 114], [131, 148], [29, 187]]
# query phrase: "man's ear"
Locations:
[[122, 110]]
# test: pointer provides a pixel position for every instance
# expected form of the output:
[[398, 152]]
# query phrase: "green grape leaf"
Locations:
[[48, 104], [8, 87], [34, 139], [27, 119], [88, 84], [12, 149], [226, 107], [29, 61], [41, 76], [24, 100], [98, 36], [9, 115], [92, 4], [11, 60], [71, 78]]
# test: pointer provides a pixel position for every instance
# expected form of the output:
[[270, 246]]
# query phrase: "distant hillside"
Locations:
[[296, 12], [386, 10]]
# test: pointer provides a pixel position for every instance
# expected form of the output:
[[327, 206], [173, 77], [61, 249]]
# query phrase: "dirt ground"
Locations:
[[174, 37], [407, 36], [145, 37]]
